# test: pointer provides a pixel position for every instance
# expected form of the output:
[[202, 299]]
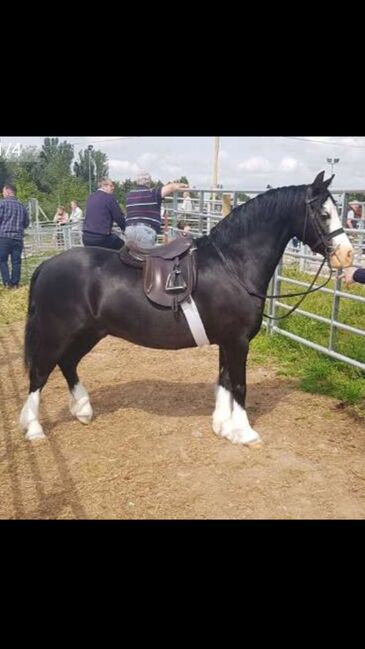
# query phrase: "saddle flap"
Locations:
[[159, 283]]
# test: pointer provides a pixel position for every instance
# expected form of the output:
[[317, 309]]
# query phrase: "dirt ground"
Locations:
[[150, 452]]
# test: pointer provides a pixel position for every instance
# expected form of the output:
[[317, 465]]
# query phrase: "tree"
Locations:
[[242, 197], [98, 166], [4, 172], [183, 179], [55, 162], [122, 190], [26, 166], [101, 164], [63, 193]]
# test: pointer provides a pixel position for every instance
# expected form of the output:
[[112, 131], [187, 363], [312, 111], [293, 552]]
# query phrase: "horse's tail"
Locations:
[[31, 338]]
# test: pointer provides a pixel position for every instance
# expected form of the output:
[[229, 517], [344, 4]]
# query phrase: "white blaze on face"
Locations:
[[343, 251]]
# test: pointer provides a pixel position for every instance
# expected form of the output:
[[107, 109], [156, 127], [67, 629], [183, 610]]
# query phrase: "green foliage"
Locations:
[[242, 197], [97, 167], [121, 191], [356, 197], [46, 175], [4, 171], [66, 190], [55, 162]]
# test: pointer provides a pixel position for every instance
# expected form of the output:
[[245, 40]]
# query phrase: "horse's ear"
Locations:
[[328, 182], [317, 185]]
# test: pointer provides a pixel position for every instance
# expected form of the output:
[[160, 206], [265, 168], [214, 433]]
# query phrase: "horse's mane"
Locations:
[[273, 206]]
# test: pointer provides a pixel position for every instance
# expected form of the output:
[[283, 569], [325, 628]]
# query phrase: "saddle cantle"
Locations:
[[169, 271]]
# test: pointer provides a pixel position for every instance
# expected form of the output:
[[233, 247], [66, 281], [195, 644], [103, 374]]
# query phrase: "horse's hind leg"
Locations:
[[80, 405], [29, 417]]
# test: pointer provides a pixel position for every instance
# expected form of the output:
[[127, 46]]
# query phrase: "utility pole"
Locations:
[[89, 148], [215, 167], [215, 162]]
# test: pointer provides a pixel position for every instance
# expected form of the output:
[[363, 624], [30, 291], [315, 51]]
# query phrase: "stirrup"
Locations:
[[177, 283]]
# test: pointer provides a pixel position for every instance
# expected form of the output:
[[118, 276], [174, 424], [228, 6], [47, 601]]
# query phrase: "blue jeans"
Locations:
[[12, 248], [141, 234]]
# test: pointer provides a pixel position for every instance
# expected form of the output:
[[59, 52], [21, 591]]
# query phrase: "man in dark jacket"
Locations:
[[102, 210], [14, 219]]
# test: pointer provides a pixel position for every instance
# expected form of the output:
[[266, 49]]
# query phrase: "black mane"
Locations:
[[273, 206]]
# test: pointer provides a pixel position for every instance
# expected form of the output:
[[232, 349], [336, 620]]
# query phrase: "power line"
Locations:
[[306, 139], [112, 139]]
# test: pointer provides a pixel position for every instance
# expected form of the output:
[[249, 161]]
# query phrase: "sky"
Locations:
[[245, 163]]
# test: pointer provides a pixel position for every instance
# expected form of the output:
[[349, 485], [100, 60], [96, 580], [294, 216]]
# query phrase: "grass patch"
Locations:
[[13, 305]]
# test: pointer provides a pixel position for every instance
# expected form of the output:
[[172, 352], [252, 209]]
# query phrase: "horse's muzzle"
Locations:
[[342, 256]]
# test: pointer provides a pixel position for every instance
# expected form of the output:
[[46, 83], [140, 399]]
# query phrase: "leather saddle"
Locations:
[[169, 271]]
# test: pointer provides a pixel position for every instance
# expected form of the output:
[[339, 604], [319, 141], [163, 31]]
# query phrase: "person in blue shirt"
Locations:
[[14, 218], [102, 210], [352, 275]]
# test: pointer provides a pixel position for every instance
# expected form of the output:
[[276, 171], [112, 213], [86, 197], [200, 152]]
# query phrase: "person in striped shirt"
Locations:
[[143, 220], [14, 218]]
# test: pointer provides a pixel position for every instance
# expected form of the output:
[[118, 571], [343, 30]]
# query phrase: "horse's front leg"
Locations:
[[230, 418], [223, 396]]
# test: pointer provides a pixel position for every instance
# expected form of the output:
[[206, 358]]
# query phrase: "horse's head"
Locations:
[[322, 229]]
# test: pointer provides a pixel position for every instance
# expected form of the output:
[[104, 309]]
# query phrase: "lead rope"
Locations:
[[264, 297]]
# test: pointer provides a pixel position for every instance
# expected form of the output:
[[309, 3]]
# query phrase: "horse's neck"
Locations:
[[256, 264]]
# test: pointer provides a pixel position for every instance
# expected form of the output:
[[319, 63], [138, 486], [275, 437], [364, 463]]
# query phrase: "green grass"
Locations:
[[314, 371], [13, 305], [31, 262], [350, 313]]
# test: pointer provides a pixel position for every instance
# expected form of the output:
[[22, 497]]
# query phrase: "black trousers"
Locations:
[[103, 240]]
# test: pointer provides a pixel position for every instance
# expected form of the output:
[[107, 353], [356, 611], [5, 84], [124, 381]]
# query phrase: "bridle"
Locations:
[[322, 240]]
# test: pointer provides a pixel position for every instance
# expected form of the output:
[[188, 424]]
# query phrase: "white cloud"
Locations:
[[288, 164], [349, 140], [171, 170], [123, 167], [146, 159], [255, 164], [317, 138]]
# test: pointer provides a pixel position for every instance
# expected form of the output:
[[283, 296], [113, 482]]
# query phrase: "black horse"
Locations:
[[82, 295]]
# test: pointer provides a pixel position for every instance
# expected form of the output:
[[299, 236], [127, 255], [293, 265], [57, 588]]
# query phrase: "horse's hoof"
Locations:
[[255, 442], [239, 436], [81, 409], [35, 431], [85, 419], [217, 426]]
